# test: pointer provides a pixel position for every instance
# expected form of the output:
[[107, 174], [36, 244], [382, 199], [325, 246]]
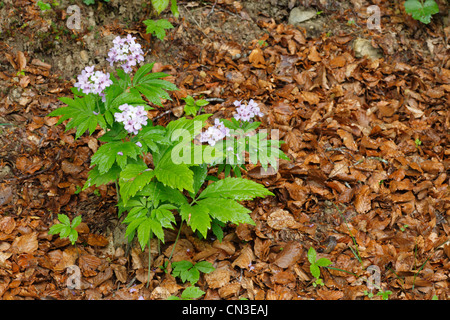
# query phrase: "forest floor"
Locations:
[[368, 184]]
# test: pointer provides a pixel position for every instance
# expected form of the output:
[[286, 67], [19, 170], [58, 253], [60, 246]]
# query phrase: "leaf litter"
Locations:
[[368, 183]]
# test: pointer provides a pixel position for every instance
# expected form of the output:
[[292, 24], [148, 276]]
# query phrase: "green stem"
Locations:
[[357, 255], [149, 258], [176, 240]]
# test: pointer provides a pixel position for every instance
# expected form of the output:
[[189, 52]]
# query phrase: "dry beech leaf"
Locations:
[[218, 278], [229, 290], [281, 219], [363, 201], [120, 272], [7, 224], [245, 258], [256, 58], [314, 55], [97, 240], [290, 255], [27, 243]]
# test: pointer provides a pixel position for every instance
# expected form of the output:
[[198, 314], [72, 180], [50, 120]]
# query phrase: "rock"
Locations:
[[84, 56], [364, 48], [298, 15]]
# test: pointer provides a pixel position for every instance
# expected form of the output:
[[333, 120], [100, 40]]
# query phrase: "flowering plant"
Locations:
[[152, 192]]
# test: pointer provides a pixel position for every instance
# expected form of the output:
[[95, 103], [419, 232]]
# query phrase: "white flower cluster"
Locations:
[[133, 118], [127, 51], [90, 81], [247, 112], [214, 133]]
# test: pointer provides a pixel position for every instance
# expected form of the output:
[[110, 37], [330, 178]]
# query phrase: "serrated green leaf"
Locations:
[[165, 217], [97, 179], [204, 266], [312, 255], [191, 293], [421, 11], [143, 232], [160, 5], [114, 152], [76, 222], [216, 227], [64, 219], [65, 231], [134, 224], [133, 97], [323, 262], [197, 217], [73, 236], [235, 188], [177, 176], [133, 179], [157, 192], [57, 228], [200, 173], [315, 271], [174, 8], [158, 27], [226, 210], [142, 71], [80, 111]]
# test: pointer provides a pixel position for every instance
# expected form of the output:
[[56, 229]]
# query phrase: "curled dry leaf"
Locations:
[[245, 258], [229, 290], [290, 255], [7, 224], [27, 243], [218, 278], [280, 219]]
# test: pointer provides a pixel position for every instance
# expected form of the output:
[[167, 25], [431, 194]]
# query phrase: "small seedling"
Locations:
[[403, 228], [190, 293], [315, 264], [192, 107], [89, 2], [384, 294], [262, 43], [187, 271], [351, 22], [421, 10], [158, 27], [417, 142], [43, 6], [66, 228]]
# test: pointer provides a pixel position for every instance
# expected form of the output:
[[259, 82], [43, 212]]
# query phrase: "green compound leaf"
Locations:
[[160, 5], [82, 114], [197, 217], [158, 27], [236, 189], [421, 11], [226, 210], [114, 152]]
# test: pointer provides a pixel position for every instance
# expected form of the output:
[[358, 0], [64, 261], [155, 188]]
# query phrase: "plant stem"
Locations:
[[357, 255], [149, 258], [176, 240]]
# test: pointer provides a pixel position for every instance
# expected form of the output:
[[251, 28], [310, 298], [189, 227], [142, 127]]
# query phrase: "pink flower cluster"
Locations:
[[126, 51], [214, 133], [90, 81], [247, 112], [133, 118]]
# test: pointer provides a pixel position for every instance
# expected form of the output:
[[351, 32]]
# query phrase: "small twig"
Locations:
[[212, 9], [162, 114]]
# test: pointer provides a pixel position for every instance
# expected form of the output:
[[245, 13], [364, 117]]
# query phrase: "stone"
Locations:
[[364, 48], [298, 15]]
